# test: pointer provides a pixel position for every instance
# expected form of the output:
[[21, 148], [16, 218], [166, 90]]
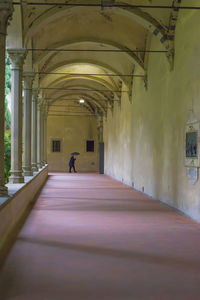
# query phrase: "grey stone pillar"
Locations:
[[101, 158], [101, 143], [6, 10], [45, 136], [100, 127], [34, 130], [28, 81], [42, 136], [39, 163], [17, 58]]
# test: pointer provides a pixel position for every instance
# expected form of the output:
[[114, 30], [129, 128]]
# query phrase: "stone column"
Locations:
[[6, 10], [39, 163], [42, 136], [100, 127], [34, 130], [17, 58], [101, 144], [45, 136], [28, 81]]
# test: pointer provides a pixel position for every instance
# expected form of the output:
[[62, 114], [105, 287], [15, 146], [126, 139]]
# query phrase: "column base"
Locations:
[[27, 170], [43, 163], [16, 177], [28, 173], [34, 168], [39, 165], [3, 191]]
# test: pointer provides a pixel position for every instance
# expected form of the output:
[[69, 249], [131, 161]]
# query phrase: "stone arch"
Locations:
[[143, 18], [91, 62], [96, 42], [88, 98]]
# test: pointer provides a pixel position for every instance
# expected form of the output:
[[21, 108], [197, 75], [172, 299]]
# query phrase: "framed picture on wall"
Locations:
[[192, 144]]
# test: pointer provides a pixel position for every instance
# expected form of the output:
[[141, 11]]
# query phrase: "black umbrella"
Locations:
[[75, 153]]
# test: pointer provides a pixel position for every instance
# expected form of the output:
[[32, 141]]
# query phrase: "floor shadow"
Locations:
[[102, 208], [149, 258]]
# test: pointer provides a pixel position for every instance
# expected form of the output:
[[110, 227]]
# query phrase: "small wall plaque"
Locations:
[[192, 174], [192, 144]]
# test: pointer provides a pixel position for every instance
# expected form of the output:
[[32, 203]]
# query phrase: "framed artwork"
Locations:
[[192, 144]]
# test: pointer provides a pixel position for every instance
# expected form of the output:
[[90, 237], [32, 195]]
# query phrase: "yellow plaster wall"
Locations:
[[73, 131], [144, 141]]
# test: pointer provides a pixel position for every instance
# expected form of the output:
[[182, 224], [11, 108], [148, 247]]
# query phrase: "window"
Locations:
[[56, 146], [90, 146]]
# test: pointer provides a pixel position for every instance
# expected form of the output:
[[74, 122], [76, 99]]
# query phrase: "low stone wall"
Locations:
[[14, 207]]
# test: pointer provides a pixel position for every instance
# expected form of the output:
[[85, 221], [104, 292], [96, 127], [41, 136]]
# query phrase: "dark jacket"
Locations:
[[72, 161]]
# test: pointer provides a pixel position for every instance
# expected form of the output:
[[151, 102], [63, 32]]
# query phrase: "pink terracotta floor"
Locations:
[[92, 238]]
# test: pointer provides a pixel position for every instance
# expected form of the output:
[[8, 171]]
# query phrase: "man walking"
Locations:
[[72, 164]]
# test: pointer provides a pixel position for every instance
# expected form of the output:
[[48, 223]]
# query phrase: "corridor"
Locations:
[[90, 237]]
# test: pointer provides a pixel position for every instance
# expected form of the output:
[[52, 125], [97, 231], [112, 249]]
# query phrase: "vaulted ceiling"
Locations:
[[84, 48]]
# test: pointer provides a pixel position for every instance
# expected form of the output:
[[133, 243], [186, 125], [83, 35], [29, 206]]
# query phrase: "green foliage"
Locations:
[[7, 116], [7, 137], [7, 154], [7, 91]]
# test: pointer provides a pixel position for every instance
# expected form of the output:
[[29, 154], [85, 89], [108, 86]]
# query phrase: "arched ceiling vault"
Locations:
[[37, 19], [65, 65], [98, 43], [91, 80], [80, 87], [97, 101], [73, 98]]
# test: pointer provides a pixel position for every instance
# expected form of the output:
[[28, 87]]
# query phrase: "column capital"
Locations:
[[100, 119], [17, 57], [46, 113], [6, 10], [35, 93], [28, 78], [40, 99], [42, 109], [39, 105]]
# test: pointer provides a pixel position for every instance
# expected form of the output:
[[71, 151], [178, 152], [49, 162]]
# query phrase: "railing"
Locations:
[[15, 207]]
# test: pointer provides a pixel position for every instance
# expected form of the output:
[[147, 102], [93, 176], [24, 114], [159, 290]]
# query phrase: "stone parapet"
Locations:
[[14, 208]]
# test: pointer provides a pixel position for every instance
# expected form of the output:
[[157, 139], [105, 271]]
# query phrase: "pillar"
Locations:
[[28, 81], [101, 158], [39, 118], [42, 135], [45, 137], [6, 10], [101, 144], [17, 58], [34, 130]]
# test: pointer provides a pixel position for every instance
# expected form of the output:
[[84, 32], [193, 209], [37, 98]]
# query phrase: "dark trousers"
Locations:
[[70, 169]]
